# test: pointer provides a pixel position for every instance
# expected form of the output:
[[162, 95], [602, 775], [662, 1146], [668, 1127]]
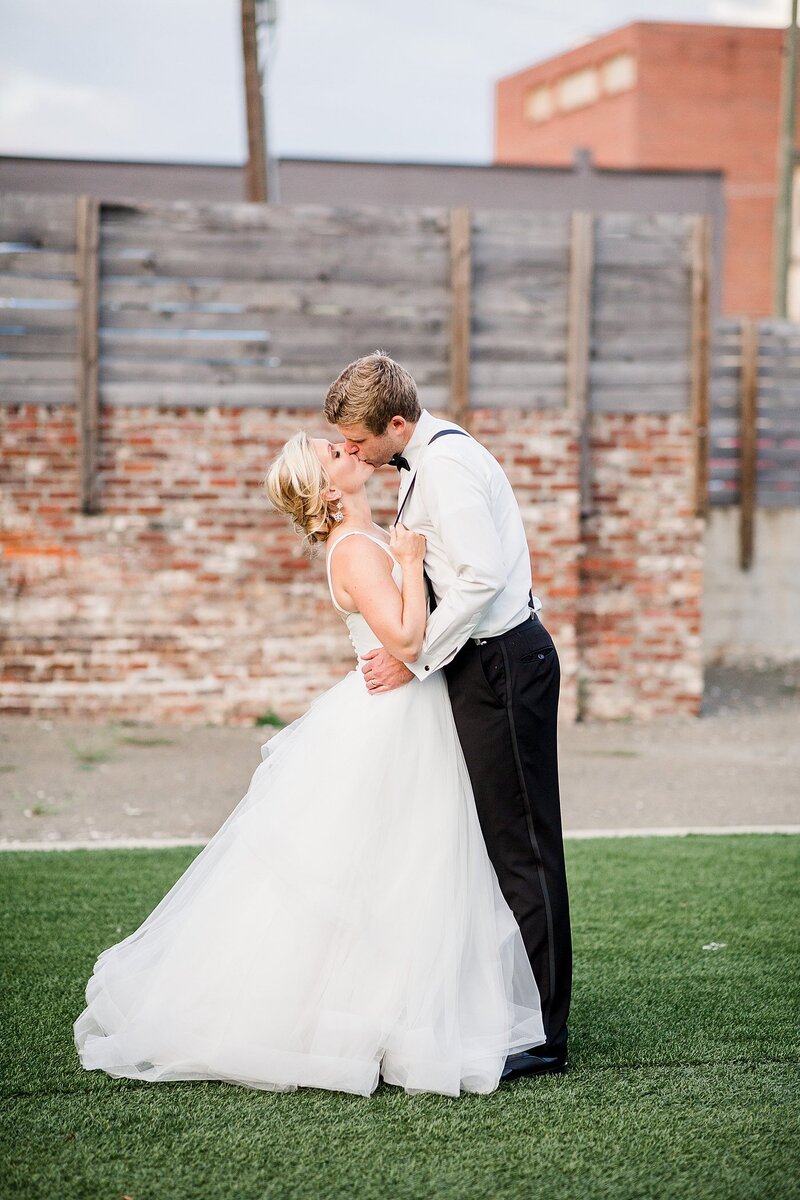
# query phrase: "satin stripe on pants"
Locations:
[[504, 695]]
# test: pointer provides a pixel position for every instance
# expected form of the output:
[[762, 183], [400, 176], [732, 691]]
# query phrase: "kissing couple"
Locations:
[[389, 899]]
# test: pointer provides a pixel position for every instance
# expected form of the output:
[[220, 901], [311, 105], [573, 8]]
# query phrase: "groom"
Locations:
[[500, 663]]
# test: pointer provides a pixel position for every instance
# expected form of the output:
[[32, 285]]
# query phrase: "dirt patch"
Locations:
[[738, 764]]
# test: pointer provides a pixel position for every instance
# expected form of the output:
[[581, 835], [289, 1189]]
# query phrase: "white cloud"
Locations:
[[37, 112], [157, 79], [751, 12]]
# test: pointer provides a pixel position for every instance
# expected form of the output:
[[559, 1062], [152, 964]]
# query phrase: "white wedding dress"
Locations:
[[343, 925]]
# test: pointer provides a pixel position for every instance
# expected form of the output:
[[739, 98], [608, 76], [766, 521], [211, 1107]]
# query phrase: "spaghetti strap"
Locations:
[[350, 533]]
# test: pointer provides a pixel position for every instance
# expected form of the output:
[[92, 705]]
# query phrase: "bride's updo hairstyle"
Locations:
[[296, 484]]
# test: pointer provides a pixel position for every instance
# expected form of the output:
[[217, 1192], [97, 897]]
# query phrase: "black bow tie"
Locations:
[[398, 461]]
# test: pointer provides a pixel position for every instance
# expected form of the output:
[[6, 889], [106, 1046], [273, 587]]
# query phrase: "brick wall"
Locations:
[[641, 571], [188, 599], [185, 598], [539, 453]]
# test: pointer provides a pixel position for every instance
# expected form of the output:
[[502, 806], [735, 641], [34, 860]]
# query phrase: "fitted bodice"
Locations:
[[362, 637]]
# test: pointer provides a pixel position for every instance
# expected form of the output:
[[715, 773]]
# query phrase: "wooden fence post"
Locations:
[[87, 272], [579, 336], [700, 269], [460, 312], [748, 441]]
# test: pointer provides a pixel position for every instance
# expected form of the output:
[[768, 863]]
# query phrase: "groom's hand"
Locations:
[[383, 672]]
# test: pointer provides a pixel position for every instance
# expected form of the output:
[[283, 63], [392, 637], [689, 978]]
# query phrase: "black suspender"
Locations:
[[441, 433]]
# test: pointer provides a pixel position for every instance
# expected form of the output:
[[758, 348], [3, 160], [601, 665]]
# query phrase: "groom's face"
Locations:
[[375, 448]]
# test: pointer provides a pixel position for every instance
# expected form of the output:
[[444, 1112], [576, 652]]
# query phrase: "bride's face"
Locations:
[[346, 472]]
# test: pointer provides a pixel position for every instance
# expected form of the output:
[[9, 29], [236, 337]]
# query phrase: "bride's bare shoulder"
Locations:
[[355, 548], [357, 563]]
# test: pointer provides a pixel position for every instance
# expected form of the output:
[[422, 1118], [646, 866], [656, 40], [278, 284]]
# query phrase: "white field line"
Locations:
[[679, 831], [161, 843]]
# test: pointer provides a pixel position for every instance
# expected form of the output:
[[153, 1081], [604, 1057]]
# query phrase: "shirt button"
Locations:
[[427, 668]]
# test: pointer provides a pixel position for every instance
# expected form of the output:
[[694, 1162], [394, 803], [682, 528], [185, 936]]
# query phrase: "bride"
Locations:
[[344, 924]]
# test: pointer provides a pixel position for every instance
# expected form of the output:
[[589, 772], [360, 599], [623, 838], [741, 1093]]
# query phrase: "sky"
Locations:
[[398, 80]]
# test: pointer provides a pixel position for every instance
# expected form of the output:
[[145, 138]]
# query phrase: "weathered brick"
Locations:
[[179, 602]]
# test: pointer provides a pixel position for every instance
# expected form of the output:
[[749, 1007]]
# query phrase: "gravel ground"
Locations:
[[737, 765]]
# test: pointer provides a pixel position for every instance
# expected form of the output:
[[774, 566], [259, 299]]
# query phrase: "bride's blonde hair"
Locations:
[[296, 484]]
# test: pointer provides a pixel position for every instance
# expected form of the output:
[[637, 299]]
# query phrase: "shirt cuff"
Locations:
[[423, 670]]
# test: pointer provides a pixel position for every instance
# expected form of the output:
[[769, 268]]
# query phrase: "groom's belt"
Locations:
[[498, 637]]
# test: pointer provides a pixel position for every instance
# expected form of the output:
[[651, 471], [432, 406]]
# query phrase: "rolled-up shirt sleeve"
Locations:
[[458, 502]]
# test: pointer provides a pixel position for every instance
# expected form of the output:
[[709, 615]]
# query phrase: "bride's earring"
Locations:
[[338, 514]]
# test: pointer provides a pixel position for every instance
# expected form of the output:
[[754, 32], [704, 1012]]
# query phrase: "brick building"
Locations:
[[662, 96]]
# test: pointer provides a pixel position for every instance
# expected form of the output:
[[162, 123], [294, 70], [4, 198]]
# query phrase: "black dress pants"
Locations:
[[504, 695]]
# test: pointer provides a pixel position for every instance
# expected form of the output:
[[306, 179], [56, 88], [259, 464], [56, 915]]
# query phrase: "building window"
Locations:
[[539, 104], [578, 88], [618, 73]]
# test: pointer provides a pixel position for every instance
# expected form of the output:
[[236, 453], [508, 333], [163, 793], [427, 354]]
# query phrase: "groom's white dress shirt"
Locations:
[[477, 556]]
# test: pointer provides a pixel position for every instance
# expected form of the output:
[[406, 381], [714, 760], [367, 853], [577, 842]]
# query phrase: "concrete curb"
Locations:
[[578, 834]]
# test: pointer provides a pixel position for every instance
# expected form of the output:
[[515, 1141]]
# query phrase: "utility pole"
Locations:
[[786, 160], [266, 25], [258, 20]]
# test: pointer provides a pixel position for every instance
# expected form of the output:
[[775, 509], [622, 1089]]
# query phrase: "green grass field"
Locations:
[[684, 1061]]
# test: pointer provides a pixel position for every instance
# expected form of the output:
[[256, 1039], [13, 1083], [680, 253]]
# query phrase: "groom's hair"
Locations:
[[370, 392]]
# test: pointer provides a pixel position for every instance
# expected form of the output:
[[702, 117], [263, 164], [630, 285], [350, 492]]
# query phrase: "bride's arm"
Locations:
[[409, 549], [362, 576]]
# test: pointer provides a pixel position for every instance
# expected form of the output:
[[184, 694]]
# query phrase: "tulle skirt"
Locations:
[[343, 925]]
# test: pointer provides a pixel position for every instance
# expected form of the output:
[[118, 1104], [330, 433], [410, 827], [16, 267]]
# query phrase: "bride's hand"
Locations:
[[407, 547]]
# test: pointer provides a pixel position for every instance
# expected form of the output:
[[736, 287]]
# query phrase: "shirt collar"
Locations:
[[426, 427]]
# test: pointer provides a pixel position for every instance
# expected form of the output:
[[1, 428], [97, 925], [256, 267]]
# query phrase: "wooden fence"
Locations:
[[195, 305], [754, 445], [755, 406]]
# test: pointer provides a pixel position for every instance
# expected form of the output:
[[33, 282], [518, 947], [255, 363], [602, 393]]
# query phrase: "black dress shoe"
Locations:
[[540, 1061]]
